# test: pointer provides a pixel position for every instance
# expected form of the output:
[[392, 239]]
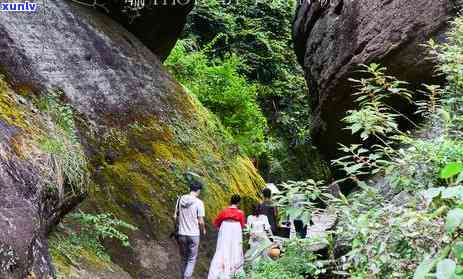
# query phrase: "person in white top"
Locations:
[[260, 233], [190, 212]]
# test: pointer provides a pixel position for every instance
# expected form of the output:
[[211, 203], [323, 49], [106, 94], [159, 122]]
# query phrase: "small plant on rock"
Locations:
[[84, 231]]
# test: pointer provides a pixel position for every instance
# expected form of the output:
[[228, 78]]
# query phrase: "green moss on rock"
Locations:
[[10, 111], [145, 163], [139, 172]]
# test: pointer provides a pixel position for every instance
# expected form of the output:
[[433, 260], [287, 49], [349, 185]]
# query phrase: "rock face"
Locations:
[[158, 24], [333, 37], [23, 212], [139, 129]]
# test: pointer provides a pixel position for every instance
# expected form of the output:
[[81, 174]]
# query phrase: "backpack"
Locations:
[[175, 234]]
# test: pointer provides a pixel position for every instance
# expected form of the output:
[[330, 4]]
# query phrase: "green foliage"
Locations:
[[454, 220], [299, 199], [411, 228], [374, 117], [374, 120], [62, 114], [387, 241], [447, 262], [445, 269], [222, 89], [421, 161], [83, 231], [103, 226], [449, 55], [451, 170], [392, 239], [443, 195], [259, 33], [68, 160], [414, 166], [431, 106], [296, 262], [417, 234], [360, 161]]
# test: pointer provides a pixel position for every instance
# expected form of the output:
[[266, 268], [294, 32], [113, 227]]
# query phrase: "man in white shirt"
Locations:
[[191, 222]]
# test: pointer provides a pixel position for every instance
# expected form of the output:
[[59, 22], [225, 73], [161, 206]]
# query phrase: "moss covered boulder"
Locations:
[[139, 129], [24, 211]]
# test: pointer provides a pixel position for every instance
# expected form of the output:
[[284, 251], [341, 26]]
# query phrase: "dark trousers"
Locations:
[[300, 228], [189, 252]]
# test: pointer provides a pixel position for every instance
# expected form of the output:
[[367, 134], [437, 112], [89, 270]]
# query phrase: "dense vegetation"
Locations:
[[221, 88], [406, 217], [238, 59], [406, 220]]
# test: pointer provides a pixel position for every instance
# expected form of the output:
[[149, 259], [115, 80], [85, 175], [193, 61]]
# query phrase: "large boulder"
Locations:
[[333, 37], [25, 210], [139, 131], [157, 23]]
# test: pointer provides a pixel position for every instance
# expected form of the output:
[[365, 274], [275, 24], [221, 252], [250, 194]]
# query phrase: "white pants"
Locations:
[[228, 258]]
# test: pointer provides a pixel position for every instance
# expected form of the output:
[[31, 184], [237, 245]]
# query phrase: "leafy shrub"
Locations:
[[388, 241], [421, 161], [416, 234], [375, 121], [375, 118], [88, 231], [299, 199], [102, 226], [259, 33], [415, 231], [296, 262], [222, 89], [404, 237]]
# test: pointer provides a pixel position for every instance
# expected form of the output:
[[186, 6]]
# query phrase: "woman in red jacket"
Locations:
[[228, 258]]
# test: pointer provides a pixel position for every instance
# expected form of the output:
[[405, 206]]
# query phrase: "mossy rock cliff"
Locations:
[[139, 129]]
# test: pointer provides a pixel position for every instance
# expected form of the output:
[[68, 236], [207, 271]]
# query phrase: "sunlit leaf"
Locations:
[[450, 170]]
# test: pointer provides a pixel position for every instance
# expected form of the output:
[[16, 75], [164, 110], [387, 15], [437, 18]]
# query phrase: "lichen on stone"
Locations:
[[140, 171]]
